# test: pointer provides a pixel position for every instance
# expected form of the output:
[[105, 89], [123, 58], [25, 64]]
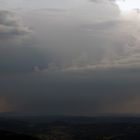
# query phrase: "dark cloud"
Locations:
[[74, 93], [77, 60], [16, 52]]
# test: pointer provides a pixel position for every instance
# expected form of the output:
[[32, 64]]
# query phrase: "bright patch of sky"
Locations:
[[128, 5]]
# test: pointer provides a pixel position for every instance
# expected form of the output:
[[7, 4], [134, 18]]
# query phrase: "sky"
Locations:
[[70, 57]]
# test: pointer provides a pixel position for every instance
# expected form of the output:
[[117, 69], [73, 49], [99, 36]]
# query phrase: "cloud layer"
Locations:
[[81, 58], [10, 26]]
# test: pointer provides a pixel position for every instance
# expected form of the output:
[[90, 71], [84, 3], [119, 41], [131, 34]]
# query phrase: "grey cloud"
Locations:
[[17, 54], [68, 93], [62, 36], [11, 26], [80, 61], [109, 44], [102, 0]]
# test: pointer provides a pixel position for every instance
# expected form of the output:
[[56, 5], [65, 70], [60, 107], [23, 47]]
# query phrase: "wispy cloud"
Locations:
[[11, 26]]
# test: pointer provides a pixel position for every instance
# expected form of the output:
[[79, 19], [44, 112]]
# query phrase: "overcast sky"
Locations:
[[69, 57]]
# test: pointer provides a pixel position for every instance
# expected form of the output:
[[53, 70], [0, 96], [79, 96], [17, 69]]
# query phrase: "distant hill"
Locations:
[[33, 118], [6, 135], [18, 127]]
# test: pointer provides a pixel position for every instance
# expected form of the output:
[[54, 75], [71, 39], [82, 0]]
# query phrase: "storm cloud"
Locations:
[[15, 38], [79, 57]]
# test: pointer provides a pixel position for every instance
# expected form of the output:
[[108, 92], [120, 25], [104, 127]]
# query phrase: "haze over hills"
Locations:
[[70, 128]]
